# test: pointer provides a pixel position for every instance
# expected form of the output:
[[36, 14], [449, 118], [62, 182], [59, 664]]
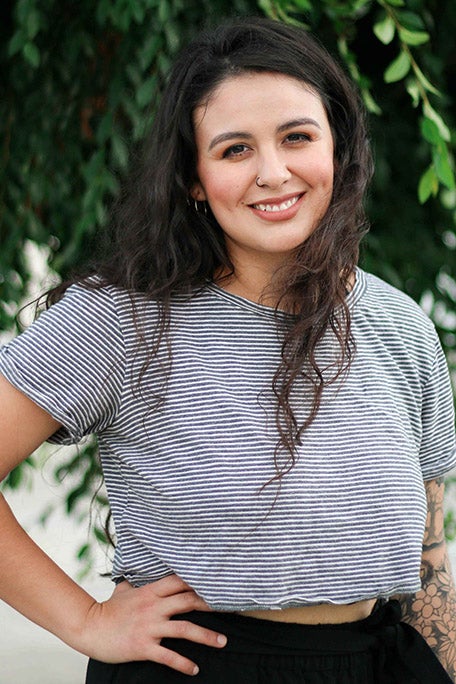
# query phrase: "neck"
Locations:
[[252, 284], [257, 286]]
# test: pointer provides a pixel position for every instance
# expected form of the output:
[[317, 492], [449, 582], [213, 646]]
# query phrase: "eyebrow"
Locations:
[[230, 135], [304, 121]]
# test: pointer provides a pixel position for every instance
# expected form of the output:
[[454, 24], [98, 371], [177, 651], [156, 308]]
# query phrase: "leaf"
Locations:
[[424, 82], [443, 166], [410, 20], [172, 37], [119, 151], [16, 43], [267, 7], [398, 68], [370, 103], [33, 23], [83, 551], [414, 91], [100, 535], [384, 30], [31, 54], [305, 5], [14, 479], [138, 12], [430, 131], [73, 497], [104, 130], [100, 213], [146, 91], [110, 182], [133, 73], [413, 37], [163, 63], [395, 3], [360, 4], [148, 51], [164, 11], [430, 113], [428, 185]]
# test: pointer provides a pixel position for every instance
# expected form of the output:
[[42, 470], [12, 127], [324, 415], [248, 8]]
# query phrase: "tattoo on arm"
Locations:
[[432, 611]]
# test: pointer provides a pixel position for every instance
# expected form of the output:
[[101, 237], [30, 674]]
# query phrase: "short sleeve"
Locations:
[[438, 449], [71, 362]]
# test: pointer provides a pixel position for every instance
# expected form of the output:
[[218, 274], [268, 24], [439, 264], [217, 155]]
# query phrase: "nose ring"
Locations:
[[257, 182]]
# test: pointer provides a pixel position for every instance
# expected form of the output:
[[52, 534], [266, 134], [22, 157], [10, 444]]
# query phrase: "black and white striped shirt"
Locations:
[[184, 475]]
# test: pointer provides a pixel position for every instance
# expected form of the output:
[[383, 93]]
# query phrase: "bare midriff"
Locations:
[[327, 613]]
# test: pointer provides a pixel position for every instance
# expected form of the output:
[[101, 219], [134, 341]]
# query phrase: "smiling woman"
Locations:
[[273, 422], [268, 179]]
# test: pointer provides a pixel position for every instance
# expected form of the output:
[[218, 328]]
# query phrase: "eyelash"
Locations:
[[230, 151], [300, 137], [239, 149]]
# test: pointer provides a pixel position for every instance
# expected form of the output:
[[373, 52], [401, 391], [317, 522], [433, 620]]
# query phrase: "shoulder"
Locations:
[[390, 324], [380, 300], [100, 303]]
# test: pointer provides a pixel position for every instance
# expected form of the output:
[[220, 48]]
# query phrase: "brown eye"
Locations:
[[298, 137], [235, 150]]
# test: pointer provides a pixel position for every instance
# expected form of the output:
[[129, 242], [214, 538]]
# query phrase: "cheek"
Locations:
[[222, 192], [324, 170], [324, 180], [323, 184]]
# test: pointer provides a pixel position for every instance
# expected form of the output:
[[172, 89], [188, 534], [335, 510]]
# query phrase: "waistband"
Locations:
[[401, 653]]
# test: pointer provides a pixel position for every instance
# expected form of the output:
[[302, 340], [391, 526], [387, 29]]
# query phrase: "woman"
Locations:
[[274, 423]]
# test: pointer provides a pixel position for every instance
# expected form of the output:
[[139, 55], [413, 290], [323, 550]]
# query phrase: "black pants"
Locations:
[[378, 650]]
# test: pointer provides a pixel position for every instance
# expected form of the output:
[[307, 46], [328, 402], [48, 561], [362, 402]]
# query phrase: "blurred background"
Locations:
[[79, 82]]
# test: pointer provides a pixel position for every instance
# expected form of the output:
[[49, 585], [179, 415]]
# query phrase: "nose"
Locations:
[[272, 172]]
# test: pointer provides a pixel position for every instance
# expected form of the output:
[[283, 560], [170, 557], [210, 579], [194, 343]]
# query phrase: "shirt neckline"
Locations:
[[353, 297]]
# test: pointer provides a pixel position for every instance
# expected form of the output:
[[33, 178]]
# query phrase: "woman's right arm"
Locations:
[[129, 625]]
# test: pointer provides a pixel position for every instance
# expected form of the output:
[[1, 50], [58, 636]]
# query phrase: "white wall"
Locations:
[[29, 654]]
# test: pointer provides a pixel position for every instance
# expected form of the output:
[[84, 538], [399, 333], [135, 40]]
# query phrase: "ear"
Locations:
[[197, 192]]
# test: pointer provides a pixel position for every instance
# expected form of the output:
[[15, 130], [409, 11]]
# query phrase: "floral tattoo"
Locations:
[[432, 611]]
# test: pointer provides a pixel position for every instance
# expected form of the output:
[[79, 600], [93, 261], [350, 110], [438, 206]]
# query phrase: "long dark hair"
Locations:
[[161, 245]]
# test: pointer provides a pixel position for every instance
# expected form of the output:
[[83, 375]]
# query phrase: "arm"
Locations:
[[432, 611], [131, 624]]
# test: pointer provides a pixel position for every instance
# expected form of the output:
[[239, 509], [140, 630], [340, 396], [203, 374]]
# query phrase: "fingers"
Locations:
[[184, 629], [175, 661], [183, 602], [181, 629], [166, 597], [144, 615], [169, 585]]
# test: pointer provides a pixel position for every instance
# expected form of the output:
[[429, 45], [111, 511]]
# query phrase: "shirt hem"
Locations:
[[236, 605]]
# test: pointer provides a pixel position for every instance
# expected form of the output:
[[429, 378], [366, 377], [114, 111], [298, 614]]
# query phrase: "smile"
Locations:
[[277, 207]]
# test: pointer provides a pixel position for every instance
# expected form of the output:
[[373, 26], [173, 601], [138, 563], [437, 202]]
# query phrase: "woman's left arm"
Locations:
[[432, 611]]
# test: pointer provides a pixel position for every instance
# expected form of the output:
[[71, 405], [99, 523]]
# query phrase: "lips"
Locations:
[[278, 207], [277, 203]]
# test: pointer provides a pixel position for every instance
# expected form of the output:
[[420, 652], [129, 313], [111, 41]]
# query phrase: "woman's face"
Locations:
[[272, 128]]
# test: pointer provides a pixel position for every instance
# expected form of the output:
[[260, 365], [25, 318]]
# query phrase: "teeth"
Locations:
[[277, 207]]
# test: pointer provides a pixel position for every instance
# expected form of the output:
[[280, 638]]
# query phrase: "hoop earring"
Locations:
[[203, 204]]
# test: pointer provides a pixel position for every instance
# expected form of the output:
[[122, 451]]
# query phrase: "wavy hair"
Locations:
[[160, 245]]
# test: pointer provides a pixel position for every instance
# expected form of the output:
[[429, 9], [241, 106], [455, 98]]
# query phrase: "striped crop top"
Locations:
[[186, 447]]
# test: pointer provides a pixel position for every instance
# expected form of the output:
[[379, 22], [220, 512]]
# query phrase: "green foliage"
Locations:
[[79, 85], [79, 88], [401, 54], [20, 476]]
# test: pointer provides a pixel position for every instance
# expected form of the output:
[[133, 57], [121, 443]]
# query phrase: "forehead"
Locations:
[[256, 96]]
